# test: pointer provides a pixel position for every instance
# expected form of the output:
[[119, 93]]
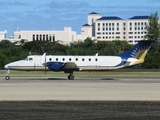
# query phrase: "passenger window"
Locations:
[[56, 59], [96, 59], [89, 59], [70, 59], [82, 59], [76, 59], [63, 59], [50, 59]]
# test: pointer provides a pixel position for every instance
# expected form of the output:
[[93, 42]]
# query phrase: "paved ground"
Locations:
[[129, 98], [79, 110], [112, 88]]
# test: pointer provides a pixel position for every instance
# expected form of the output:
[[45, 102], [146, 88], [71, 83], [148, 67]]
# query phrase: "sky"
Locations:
[[57, 14]]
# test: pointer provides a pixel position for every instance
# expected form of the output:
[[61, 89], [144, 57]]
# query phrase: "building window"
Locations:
[[117, 37], [37, 37], [135, 24], [47, 37], [33, 37], [130, 24], [40, 37], [130, 28], [117, 28], [44, 38], [92, 21], [130, 36], [50, 38], [54, 38]]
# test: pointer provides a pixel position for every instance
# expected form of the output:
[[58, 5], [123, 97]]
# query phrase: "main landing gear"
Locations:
[[7, 77], [71, 77]]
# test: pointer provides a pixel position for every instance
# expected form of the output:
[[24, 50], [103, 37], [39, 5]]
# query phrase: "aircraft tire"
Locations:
[[7, 77], [71, 77]]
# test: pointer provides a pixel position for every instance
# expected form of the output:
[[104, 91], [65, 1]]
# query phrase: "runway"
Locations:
[[81, 89]]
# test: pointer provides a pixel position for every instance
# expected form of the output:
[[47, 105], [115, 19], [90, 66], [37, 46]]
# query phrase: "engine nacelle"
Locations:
[[55, 66]]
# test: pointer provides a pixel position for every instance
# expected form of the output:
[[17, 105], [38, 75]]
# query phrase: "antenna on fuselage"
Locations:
[[96, 54]]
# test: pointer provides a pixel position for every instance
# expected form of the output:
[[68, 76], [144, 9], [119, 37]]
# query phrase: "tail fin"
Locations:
[[139, 51]]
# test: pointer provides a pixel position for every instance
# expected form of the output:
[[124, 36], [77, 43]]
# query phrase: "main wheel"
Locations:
[[7, 77], [71, 77]]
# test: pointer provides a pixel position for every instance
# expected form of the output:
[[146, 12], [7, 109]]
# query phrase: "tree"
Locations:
[[153, 28]]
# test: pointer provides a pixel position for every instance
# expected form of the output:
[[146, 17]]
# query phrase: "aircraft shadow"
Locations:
[[108, 79]]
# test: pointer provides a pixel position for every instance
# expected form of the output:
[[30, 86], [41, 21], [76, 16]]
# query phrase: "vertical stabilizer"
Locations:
[[139, 51]]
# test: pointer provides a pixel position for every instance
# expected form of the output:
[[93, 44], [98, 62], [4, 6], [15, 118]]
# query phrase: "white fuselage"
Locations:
[[35, 62]]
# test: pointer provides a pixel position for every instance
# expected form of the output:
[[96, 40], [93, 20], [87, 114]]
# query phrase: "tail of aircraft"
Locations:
[[139, 51]]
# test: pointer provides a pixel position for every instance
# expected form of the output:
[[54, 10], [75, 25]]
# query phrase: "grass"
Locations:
[[85, 74]]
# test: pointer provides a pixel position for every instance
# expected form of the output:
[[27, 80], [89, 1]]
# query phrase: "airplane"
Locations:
[[69, 64]]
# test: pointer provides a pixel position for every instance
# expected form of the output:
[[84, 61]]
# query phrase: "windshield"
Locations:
[[26, 59]]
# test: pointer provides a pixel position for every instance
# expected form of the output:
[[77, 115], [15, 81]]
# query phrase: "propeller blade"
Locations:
[[45, 64]]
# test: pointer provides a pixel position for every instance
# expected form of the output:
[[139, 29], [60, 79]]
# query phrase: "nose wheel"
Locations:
[[7, 77]]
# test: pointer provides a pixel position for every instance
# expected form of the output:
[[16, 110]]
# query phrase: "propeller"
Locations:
[[45, 63]]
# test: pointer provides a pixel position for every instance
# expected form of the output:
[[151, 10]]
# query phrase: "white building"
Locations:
[[3, 34], [64, 37], [115, 28]]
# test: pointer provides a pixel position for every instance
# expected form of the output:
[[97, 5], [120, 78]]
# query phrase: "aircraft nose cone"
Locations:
[[6, 66]]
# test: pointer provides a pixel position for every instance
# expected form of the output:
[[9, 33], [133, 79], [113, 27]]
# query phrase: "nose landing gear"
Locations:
[[7, 77]]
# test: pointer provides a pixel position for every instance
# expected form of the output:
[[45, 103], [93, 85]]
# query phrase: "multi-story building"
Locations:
[[115, 28], [64, 37]]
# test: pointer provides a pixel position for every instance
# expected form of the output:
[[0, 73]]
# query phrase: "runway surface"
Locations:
[[82, 88], [111, 98]]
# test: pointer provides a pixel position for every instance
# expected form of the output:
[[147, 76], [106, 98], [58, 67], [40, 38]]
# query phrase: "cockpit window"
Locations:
[[26, 59], [30, 59]]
